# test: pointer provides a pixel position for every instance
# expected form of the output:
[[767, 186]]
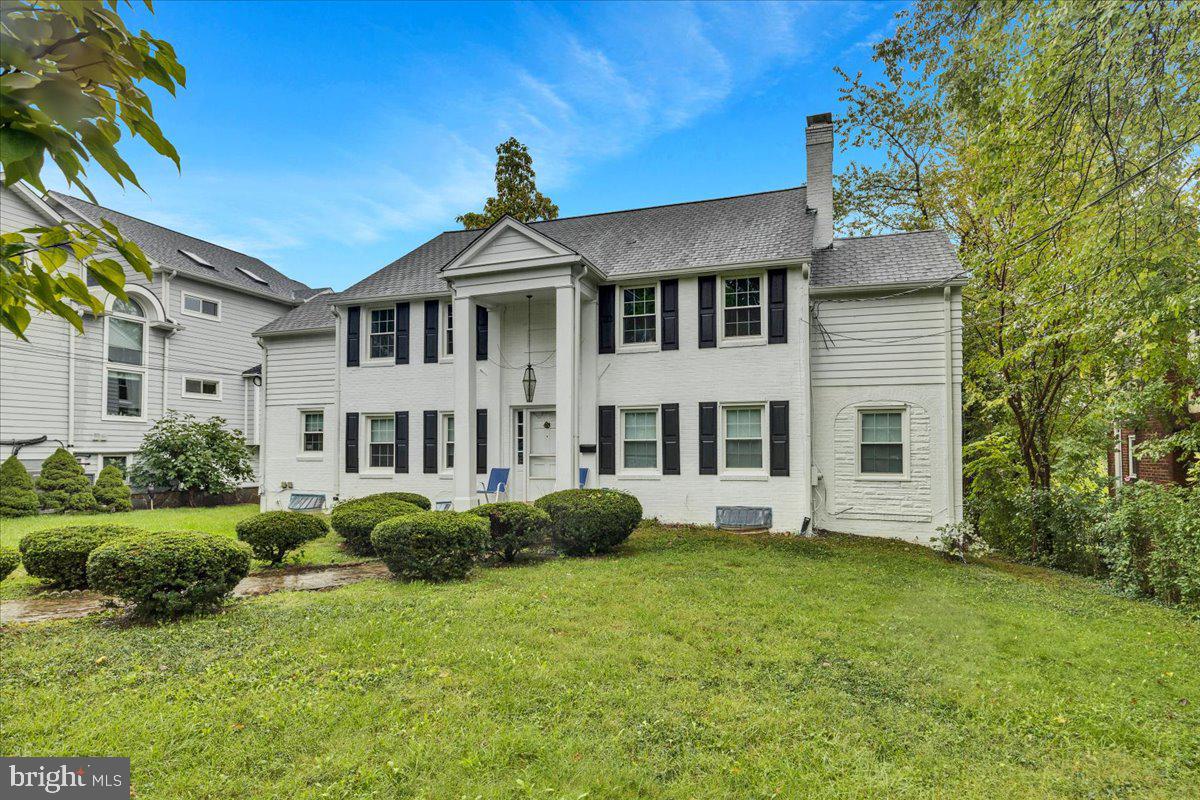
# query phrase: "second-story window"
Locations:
[[383, 333], [124, 385], [742, 304], [638, 315], [448, 339]]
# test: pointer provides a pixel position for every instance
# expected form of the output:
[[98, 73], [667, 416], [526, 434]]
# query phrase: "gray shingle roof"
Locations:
[[919, 257], [163, 246], [312, 316], [729, 230]]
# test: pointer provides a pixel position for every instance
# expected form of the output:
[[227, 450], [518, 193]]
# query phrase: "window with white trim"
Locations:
[[381, 442], [382, 340], [313, 431], [448, 329], [197, 306], [742, 434], [203, 388], [639, 315], [881, 442], [639, 439], [447, 442], [741, 307], [125, 345]]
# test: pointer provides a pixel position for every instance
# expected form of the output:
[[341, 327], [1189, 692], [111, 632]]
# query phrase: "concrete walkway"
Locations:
[[80, 604]]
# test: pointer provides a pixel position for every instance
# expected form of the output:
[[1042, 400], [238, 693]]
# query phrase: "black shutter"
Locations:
[[607, 437], [670, 438], [353, 313], [708, 438], [433, 319], [608, 319], [351, 442], [431, 423], [706, 288], [481, 333], [777, 306], [401, 441], [670, 314], [402, 333], [481, 441], [779, 437]]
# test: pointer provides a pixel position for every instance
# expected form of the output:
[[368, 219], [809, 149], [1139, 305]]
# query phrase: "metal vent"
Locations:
[[305, 502], [743, 518]]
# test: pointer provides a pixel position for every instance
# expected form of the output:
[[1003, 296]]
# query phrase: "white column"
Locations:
[[588, 348], [566, 446], [464, 404]]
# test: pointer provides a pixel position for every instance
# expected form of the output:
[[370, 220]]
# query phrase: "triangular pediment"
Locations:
[[509, 242]]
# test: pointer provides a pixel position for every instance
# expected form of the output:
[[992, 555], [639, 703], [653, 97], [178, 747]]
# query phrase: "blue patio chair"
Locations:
[[497, 484], [583, 472]]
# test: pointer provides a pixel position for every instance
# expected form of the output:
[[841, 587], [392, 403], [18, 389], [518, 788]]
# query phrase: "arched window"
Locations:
[[125, 338]]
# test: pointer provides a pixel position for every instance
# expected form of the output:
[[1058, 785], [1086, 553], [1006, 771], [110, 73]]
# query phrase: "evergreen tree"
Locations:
[[111, 490], [63, 485], [17, 497], [516, 191]]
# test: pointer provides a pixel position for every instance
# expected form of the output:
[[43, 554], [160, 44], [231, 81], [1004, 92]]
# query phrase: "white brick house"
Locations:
[[726, 352]]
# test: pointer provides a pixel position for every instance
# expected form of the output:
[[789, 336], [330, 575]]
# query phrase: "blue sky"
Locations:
[[329, 138]]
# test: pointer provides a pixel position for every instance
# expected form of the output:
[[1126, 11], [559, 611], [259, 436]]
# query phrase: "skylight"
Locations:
[[197, 259], [251, 275]]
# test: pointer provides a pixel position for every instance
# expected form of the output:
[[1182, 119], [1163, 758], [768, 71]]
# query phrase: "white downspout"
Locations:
[[262, 448], [806, 459], [71, 386], [339, 350], [166, 300], [951, 454]]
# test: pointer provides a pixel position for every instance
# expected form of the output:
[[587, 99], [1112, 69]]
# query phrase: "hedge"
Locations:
[[17, 496], [433, 545], [589, 521], [514, 526], [355, 519], [169, 573], [59, 555], [10, 559], [419, 500], [1151, 543], [274, 534], [63, 484]]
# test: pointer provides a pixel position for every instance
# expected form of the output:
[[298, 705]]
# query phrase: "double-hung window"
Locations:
[[743, 437], [881, 442], [313, 431], [382, 340], [382, 443], [124, 385], [741, 307], [447, 442], [639, 440], [639, 315]]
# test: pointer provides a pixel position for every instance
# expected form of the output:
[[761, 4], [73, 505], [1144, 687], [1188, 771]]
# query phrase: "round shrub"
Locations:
[[355, 519], [59, 555], [588, 521], [10, 559], [17, 497], [169, 573], [514, 526], [63, 484], [419, 500], [274, 534], [434, 545], [111, 491]]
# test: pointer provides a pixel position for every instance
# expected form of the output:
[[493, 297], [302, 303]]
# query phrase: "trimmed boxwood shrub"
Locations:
[[169, 573], [419, 500], [59, 555], [63, 484], [10, 559], [355, 519], [588, 521], [514, 526], [17, 497], [274, 534], [434, 545], [111, 491]]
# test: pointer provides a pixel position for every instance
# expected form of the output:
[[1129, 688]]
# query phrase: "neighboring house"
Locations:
[[182, 341], [1126, 466], [720, 353]]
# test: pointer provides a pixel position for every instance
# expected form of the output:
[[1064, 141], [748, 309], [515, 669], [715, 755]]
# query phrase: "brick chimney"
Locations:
[[818, 145]]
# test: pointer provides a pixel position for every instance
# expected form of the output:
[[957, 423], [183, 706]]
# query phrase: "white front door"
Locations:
[[540, 438]]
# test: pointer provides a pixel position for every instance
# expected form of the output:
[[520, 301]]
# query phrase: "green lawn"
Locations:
[[221, 519], [691, 664]]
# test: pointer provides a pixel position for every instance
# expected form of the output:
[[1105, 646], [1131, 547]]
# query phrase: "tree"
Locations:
[[185, 454], [17, 496], [516, 192], [111, 490], [63, 484], [69, 78]]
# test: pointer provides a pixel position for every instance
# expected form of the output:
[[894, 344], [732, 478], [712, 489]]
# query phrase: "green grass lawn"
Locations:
[[691, 664], [220, 519]]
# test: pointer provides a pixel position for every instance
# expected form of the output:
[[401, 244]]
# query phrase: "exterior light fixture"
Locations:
[[529, 379]]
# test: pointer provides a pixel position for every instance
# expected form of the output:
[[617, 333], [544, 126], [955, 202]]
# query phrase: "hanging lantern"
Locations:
[[529, 381]]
